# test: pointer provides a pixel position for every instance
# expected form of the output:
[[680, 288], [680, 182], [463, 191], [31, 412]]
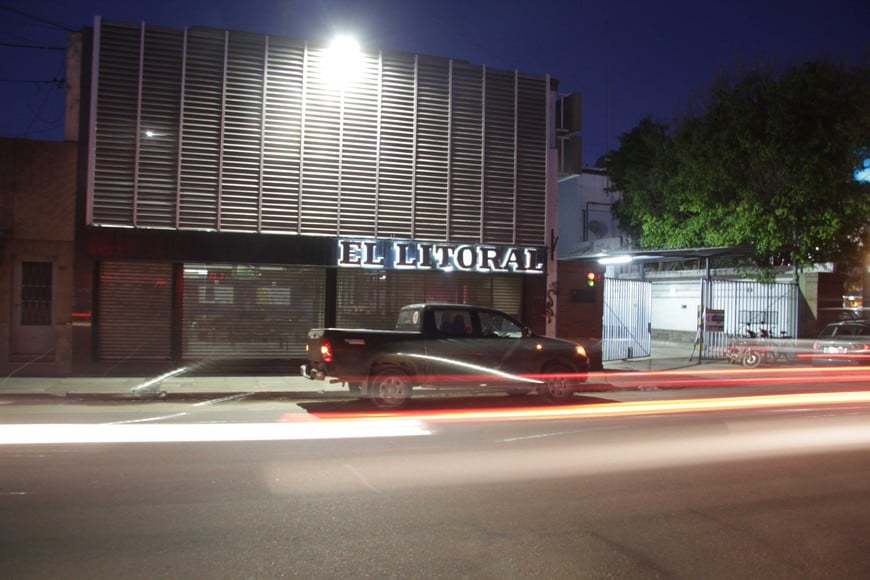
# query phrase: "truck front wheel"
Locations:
[[558, 386], [390, 389]]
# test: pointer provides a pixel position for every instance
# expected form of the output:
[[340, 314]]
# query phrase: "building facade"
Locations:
[[235, 192], [37, 251]]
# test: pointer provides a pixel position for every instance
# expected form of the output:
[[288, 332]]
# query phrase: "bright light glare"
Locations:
[[342, 63], [615, 260], [56, 434]]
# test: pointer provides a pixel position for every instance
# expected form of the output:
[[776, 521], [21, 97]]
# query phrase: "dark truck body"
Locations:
[[445, 346]]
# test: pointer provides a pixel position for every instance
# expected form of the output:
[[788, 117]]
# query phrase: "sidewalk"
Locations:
[[190, 382]]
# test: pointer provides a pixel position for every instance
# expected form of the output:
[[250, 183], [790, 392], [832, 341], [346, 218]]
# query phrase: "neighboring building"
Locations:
[[235, 196], [37, 231], [586, 223]]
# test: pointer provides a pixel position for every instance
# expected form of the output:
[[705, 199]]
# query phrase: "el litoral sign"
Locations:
[[408, 255]]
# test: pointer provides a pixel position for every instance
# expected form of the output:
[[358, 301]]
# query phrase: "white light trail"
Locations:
[[74, 433]]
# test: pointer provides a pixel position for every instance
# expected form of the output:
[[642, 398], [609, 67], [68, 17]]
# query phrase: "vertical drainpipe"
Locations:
[[550, 211]]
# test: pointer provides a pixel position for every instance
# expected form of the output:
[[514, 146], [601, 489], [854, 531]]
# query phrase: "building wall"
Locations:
[[586, 224], [580, 306], [37, 199]]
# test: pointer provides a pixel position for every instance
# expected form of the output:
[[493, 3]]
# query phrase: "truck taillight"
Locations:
[[326, 351]]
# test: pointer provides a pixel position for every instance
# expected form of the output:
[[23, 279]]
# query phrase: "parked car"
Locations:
[[843, 343]]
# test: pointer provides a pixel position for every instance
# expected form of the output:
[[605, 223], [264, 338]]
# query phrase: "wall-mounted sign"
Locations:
[[446, 257], [714, 320]]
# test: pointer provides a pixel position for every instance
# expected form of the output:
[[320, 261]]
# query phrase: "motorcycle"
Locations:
[[754, 348]]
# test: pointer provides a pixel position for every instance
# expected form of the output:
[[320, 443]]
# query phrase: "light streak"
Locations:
[[160, 379], [624, 409], [74, 433]]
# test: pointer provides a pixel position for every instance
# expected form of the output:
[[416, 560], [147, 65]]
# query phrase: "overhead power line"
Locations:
[[37, 46], [36, 18], [55, 81]]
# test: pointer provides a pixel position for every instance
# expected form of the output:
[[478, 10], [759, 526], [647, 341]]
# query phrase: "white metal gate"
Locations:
[[729, 308], [626, 325]]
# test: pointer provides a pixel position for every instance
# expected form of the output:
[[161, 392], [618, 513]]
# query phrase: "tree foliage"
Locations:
[[766, 160]]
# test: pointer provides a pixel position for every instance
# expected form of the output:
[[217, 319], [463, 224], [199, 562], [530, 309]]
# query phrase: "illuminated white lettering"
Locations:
[[401, 256], [348, 253], [465, 258], [488, 259], [371, 255]]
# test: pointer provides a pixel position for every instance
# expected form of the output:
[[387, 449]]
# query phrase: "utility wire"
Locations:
[[55, 81], [39, 19], [37, 46]]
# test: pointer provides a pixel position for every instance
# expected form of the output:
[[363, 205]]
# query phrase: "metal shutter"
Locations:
[[135, 311], [371, 299], [241, 311]]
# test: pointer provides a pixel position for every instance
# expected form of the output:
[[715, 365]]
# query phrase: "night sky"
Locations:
[[628, 59]]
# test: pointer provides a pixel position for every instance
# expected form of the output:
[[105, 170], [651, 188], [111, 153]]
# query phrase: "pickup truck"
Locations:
[[445, 346]]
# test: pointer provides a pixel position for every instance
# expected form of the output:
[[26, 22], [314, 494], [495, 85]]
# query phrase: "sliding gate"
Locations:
[[730, 309], [626, 325]]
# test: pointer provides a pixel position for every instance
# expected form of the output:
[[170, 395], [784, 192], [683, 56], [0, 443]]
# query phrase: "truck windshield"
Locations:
[[409, 319]]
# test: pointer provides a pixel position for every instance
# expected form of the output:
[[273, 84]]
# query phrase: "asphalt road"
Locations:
[[702, 488]]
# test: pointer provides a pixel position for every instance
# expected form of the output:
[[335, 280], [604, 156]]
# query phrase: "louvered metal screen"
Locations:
[[372, 299], [135, 311], [209, 129]]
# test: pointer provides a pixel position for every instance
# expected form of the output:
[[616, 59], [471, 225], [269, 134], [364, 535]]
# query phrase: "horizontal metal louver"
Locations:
[[372, 299], [135, 311], [499, 197], [239, 311], [320, 139], [202, 132], [432, 169], [466, 153], [205, 129], [242, 133], [359, 152], [282, 136], [157, 178], [531, 159], [114, 148], [396, 168]]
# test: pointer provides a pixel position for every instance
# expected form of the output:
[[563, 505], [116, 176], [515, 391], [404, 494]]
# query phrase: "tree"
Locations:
[[768, 160]]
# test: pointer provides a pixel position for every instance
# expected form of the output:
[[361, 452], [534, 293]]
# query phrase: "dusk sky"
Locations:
[[628, 59]]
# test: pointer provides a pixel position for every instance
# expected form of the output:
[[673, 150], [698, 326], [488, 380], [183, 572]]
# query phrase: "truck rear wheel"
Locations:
[[390, 389], [559, 384]]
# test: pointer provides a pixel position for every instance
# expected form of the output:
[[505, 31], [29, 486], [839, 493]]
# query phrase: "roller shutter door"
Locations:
[[371, 299], [242, 311], [135, 311]]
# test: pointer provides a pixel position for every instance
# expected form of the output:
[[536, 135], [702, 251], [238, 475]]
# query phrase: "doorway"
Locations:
[[33, 308]]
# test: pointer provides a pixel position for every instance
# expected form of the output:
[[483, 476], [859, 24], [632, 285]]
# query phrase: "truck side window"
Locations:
[[454, 323], [497, 326], [409, 319]]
